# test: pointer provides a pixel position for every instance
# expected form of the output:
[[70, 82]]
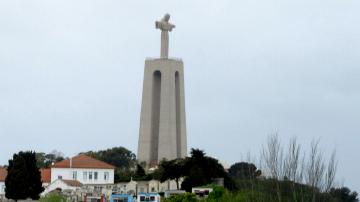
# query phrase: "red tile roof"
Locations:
[[72, 183], [3, 174], [45, 175], [82, 161]]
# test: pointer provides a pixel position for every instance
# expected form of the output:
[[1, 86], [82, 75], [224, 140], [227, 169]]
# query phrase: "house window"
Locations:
[[74, 175], [147, 198], [95, 175], [85, 175], [59, 177], [121, 199], [106, 176], [90, 175]]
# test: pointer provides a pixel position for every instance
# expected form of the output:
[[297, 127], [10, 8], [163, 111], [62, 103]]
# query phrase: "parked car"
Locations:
[[121, 198], [148, 197]]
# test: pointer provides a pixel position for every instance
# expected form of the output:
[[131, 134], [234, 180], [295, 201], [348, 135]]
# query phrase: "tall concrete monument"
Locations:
[[162, 122]]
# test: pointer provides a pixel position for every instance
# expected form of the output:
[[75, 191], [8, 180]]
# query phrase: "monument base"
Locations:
[[162, 122]]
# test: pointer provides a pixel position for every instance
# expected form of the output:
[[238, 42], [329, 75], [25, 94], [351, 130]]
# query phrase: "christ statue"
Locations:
[[165, 28]]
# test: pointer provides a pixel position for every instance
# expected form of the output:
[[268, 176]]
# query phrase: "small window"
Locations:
[[74, 175], [90, 175], [106, 176], [121, 199], [95, 175], [59, 177], [85, 174]]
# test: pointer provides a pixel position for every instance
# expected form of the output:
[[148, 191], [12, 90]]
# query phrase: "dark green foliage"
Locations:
[[140, 173], [40, 160], [264, 190], [187, 197], [156, 174], [24, 178], [201, 170], [344, 194], [244, 170], [290, 191], [122, 175], [45, 160], [172, 170], [16, 181], [120, 157], [217, 193], [52, 197]]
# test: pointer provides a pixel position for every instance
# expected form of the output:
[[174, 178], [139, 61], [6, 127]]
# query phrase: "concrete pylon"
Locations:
[[162, 122]]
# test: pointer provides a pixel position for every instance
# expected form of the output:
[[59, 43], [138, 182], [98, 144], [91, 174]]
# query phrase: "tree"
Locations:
[[123, 159], [331, 172], [40, 160], [140, 173], [44, 160], [344, 194], [117, 156], [272, 154], [172, 170], [24, 178], [202, 170], [244, 170], [292, 160], [53, 157]]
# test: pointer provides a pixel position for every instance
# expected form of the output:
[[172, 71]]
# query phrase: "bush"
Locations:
[[217, 193], [52, 198], [187, 197]]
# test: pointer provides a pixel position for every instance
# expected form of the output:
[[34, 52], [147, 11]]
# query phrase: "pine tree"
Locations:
[[24, 178]]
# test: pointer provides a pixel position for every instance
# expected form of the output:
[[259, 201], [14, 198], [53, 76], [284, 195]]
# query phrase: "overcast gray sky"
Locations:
[[71, 74]]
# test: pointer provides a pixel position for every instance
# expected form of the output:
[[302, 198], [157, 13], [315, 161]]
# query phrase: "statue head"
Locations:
[[166, 17], [164, 24]]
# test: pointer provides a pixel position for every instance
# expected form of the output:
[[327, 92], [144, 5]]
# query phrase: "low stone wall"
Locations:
[[10, 200]]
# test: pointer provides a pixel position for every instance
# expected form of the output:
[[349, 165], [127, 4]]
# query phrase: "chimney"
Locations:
[[70, 162]]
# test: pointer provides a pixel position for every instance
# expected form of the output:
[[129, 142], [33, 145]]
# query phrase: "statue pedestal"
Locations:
[[162, 122]]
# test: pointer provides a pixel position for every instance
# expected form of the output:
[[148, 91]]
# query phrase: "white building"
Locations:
[[63, 185], [86, 170], [151, 186]]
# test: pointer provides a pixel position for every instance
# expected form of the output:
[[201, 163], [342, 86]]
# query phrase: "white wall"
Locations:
[[2, 188], [57, 184], [144, 186], [67, 174]]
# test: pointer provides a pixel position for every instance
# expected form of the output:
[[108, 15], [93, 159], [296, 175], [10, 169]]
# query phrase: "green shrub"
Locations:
[[187, 197], [217, 193], [52, 198]]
